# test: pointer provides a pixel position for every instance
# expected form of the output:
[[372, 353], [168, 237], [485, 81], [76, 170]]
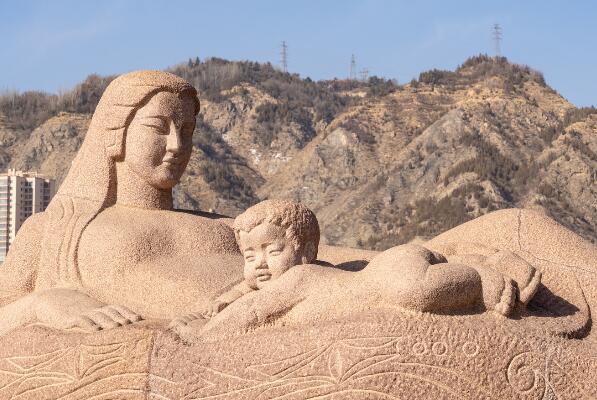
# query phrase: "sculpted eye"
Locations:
[[275, 252], [157, 124]]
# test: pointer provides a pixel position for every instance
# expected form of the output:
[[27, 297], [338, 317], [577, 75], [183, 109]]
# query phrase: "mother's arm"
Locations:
[[18, 274], [20, 304], [19, 271]]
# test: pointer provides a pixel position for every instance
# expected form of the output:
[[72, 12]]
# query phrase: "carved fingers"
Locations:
[[107, 317], [205, 312], [186, 319], [130, 315], [239, 319], [507, 299], [215, 307]]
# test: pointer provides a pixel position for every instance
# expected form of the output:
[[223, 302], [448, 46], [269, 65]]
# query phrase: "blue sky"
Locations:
[[52, 45]]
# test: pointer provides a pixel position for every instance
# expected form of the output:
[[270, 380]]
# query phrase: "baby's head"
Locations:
[[273, 236]]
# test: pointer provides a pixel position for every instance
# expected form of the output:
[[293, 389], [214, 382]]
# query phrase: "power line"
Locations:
[[497, 39], [284, 55], [353, 68]]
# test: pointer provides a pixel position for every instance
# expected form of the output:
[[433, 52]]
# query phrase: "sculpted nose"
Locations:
[[261, 264], [174, 142]]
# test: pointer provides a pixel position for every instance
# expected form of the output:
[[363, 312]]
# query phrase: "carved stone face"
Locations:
[[159, 139], [268, 254]]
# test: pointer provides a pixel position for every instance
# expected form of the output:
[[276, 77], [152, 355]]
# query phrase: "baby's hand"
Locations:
[[184, 320], [213, 308], [204, 312]]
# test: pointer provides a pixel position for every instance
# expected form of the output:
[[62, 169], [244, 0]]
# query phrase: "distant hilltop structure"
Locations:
[[21, 194]]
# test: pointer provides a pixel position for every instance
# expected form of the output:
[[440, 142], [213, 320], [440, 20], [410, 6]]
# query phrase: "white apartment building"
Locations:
[[21, 194]]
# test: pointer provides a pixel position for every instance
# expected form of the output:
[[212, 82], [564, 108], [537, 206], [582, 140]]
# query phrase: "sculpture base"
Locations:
[[381, 356]]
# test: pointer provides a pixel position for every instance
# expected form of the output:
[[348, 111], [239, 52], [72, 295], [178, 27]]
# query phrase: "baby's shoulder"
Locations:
[[305, 271]]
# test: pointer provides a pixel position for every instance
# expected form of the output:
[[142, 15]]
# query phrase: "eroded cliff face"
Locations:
[[421, 160], [386, 168], [52, 146]]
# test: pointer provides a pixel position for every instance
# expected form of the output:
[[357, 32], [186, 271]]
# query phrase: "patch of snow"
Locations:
[[256, 156]]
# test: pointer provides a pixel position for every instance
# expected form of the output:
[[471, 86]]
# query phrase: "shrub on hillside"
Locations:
[[381, 87], [482, 67], [28, 110], [438, 77], [578, 114]]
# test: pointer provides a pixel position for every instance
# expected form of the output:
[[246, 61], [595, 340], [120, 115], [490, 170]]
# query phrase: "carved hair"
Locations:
[[90, 185], [300, 223]]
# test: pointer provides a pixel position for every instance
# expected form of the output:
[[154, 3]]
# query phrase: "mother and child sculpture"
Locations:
[[110, 250]]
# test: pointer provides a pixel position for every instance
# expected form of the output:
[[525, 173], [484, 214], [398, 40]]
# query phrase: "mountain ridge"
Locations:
[[379, 163]]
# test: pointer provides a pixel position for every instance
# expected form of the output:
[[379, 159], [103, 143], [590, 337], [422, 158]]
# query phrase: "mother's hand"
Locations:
[[68, 308]]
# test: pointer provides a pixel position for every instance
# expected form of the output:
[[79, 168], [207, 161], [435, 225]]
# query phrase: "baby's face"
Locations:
[[268, 254]]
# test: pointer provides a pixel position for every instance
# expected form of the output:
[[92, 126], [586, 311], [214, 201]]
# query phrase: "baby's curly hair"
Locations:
[[300, 223]]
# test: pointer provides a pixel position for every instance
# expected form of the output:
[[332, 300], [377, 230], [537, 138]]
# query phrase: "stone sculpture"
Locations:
[[415, 321], [277, 235], [110, 234], [273, 236]]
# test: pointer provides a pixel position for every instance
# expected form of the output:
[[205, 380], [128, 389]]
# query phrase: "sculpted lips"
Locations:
[[171, 161], [263, 275]]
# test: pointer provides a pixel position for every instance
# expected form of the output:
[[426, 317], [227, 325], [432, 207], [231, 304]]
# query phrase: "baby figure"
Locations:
[[279, 240], [273, 236]]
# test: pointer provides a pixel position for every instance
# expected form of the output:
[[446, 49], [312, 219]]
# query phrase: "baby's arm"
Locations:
[[263, 307], [213, 307], [227, 298]]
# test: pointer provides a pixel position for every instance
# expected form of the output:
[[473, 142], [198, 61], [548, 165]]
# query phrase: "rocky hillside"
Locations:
[[381, 164]]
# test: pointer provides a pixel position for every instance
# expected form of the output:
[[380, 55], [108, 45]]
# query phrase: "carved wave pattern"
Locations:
[[83, 371], [353, 367], [392, 367]]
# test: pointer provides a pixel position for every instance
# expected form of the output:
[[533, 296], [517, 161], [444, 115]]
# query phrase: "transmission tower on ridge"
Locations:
[[353, 68], [497, 39], [364, 74], [284, 55]]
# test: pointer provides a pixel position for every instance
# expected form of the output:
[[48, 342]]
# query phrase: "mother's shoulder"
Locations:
[[20, 268], [201, 217], [211, 232], [31, 231], [184, 218], [191, 230]]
